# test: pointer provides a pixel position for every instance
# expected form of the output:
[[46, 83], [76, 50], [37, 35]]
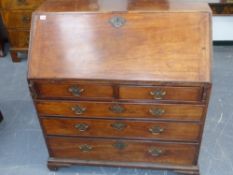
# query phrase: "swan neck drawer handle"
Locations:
[[156, 152], [158, 94], [78, 110], [85, 148], [76, 91], [156, 111], [118, 125], [156, 130], [82, 126]]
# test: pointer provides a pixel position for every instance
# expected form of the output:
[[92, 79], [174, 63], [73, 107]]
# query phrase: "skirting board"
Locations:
[[223, 43]]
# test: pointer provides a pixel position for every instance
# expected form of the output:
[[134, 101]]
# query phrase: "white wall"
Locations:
[[223, 28]]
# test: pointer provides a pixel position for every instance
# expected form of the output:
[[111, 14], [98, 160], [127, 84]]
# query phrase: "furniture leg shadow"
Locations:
[[1, 116], [14, 56]]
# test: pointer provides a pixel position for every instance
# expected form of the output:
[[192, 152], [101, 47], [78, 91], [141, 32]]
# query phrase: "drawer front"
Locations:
[[20, 4], [121, 129], [121, 150], [161, 93], [19, 38], [76, 90], [124, 110], [17, 19]]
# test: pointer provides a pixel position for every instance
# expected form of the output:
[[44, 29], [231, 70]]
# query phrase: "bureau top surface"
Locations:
[[136, 40]]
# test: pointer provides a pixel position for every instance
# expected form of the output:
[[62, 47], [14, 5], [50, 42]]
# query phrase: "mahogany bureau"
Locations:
[[17, 18], [121, 83]]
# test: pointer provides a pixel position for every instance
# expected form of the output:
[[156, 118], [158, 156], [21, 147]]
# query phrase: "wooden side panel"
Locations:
[[122, 129], [133, 151]]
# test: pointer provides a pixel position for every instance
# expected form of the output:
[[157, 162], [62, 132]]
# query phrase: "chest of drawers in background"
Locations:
[[121, 88], [17, 20]]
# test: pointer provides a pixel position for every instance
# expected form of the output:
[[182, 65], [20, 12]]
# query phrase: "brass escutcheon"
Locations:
[[117, 108], [119, 145], [117, 21]]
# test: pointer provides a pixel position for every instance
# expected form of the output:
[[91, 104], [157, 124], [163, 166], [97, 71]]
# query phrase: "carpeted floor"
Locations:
[[22, 147]]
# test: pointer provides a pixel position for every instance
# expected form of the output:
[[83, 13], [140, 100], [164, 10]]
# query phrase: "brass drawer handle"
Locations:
[[26, 19], [156, 111], [27, 40], [76, 91], [156, 152], [117, 109], [156, 130], [120, 145], [78, 110], [82, 126], [85, 148], [21, 2], [118, 125], [158, 94]]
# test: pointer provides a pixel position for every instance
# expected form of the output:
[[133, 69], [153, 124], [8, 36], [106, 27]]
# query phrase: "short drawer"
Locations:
[[73, 90], [20, 4], [122, 150], [17, 19], [161, 93], [122, 129], [19, 38], [184, 112]]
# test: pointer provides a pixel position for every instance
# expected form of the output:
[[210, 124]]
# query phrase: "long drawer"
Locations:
[[120, 110], [122, 150], [17, 19], [122, 129]]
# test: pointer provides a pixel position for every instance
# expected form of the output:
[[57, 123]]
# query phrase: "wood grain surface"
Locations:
[[132, 129], [53, 90], [134, 151], [130, 110], [141, 50]]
